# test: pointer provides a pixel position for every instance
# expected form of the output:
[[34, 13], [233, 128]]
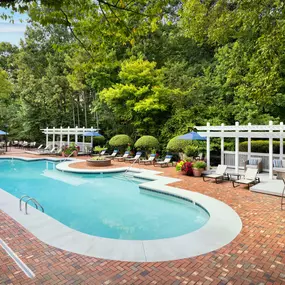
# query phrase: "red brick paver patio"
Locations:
[[256, 256]]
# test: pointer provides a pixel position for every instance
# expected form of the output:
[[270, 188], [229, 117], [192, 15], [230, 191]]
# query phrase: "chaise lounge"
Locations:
[[249, 178], [218, 175], [134, 159], [165, 162], [150, 160]]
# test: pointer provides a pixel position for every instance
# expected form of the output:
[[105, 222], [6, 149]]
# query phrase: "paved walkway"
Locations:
[[256, 256]]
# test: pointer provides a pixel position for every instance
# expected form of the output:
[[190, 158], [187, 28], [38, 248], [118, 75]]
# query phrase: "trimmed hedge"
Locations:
[[260, 146], [177, 145], [147, 143], [98, 140], [120, 141]]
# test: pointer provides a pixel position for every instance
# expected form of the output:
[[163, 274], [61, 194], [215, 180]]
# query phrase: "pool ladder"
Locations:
[[36, 203]]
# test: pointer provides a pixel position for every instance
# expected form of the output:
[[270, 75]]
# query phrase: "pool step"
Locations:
[[128, 178]]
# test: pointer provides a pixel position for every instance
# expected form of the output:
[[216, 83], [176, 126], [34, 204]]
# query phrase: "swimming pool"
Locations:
[[107, 205]]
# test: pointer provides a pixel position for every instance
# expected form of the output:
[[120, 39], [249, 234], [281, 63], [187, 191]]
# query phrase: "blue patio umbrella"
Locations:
[[192, 136], [2, 133], [92, 134]]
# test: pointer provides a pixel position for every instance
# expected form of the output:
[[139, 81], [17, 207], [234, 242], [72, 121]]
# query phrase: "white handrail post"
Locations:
[[237, 147], [53, 137], [46, 136], [281, 140], [222, 145], [270, 151], [249, 142], [208, 146], [68, 136]]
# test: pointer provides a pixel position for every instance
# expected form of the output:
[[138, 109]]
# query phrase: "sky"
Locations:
[[10, 32]]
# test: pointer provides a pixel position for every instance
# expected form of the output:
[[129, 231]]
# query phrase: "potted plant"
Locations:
[[198, 168], [72, 149]]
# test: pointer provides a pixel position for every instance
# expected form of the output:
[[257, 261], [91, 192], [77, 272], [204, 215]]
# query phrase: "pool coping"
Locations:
[[222, 227]]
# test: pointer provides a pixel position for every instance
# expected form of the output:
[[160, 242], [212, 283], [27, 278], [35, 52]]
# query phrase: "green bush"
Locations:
[[120, 141], [177, 145], [98, 148], [98, 140], [147, 143], [191, 150], [199, 164], [260, 146]]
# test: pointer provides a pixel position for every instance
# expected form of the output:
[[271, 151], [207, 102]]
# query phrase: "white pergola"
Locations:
[[249, 131], [67, 132]]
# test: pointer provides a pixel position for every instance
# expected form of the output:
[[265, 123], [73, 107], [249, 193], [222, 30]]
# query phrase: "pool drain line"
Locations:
[[17, 260]]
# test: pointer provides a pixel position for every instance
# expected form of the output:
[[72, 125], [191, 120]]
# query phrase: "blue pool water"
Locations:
[[106, 205]]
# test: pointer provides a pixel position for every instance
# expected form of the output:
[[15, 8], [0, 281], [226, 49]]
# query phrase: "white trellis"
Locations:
[[249, 131], [67, 132]]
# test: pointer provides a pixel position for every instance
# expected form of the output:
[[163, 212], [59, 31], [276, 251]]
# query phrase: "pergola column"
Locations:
[[222, 146], [47, 136], [76, 135], [237, 148], [68, 136], [249, 142], [208, 147], [281, 140], [83, 140], [270, 150], [91, 138], [53, 137], [60, 143]]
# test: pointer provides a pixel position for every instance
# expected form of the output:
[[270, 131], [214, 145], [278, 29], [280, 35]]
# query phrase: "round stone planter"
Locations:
[[98, 163]]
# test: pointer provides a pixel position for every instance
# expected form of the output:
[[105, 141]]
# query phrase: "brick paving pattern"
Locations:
[[255, 256]]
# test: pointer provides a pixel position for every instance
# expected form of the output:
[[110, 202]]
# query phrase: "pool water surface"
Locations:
[[107, 205]]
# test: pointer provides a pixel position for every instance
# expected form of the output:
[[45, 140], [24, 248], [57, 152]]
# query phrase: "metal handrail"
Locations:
[[36, 204], [130, 166], [68, 156], [21, 199]]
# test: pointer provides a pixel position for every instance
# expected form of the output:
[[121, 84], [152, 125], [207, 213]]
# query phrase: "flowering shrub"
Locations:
[[185, 166], [179, 165]]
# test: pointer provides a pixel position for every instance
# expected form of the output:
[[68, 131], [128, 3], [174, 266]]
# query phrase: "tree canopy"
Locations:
[[144, 68]]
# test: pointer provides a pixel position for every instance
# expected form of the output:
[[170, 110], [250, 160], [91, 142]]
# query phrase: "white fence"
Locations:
[[230, 158]]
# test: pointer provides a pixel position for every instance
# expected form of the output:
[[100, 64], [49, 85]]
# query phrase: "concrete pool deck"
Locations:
[[222, 227], [255, 256]]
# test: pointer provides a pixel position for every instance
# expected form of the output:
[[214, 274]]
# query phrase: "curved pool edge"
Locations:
[[222, 227]]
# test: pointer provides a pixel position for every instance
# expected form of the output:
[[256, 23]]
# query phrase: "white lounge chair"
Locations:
[[249, 178], [115, 152], [165, 162], [150, 160], [132, 159], [218, 175], [124, 157]]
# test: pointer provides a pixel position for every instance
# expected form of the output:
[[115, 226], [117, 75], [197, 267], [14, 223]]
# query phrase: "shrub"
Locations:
[[191, 150], [199, 164], [187, 168], [177, 145], [147, 143], [120, 141], [179, 165], [98, 148], [260, 146], [98, 140]]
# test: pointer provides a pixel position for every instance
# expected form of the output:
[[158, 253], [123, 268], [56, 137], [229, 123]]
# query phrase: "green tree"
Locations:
[[140, 99]]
